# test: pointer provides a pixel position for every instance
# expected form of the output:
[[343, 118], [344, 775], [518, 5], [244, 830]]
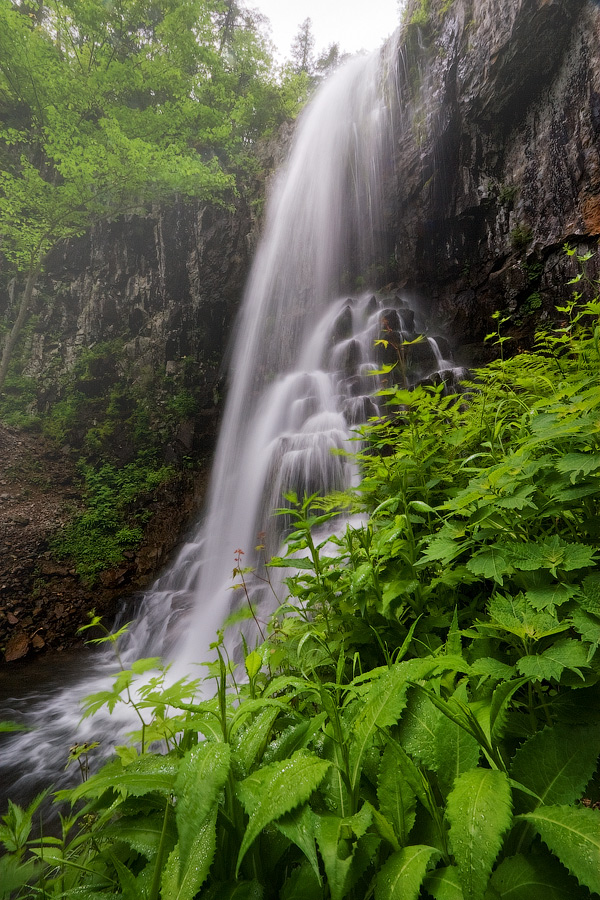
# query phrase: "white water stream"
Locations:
[[298, 384]]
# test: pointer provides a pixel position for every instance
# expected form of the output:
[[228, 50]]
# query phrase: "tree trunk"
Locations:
[[13, 335]]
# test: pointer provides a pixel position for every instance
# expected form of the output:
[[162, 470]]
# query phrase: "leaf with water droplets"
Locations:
[[479, 812], [444, 884], [535, 877], [202, 774], [556, 764], [276, 789], [397, 800], [574, 836], [140, 832], [299, 828], [249, 743], [149, 773], [339, 840], [182, 883], [403, 873], [383, 706]]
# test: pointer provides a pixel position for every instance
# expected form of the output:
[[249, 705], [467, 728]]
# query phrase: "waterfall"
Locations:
[[299, 382], [300, 347]]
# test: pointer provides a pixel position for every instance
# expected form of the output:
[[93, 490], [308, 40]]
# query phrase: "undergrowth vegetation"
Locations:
[[423, 717], [115, 427], [114, 514]]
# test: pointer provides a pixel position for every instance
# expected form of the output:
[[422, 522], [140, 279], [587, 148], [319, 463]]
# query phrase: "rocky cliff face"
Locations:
[[498, 156], [131, 320], [166, 285]]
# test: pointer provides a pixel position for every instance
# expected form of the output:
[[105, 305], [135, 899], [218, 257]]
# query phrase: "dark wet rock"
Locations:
[[498, 157]]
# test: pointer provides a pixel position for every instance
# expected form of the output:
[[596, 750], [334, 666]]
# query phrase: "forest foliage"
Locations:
[[422, 717], [107, 108]]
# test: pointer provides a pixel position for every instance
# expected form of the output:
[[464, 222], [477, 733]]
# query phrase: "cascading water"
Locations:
[[299, 382]]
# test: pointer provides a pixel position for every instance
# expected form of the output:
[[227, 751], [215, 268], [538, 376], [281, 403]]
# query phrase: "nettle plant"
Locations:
[[423, 717]]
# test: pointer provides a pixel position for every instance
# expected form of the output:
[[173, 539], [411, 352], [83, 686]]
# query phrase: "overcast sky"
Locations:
[[354, 24]]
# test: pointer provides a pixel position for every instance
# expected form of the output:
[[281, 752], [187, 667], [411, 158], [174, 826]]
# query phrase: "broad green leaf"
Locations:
[[293, 738], [590, 601], [397, 800], [574, 464], [148, 773], [383, 828], [490, 563], [436, 741], [556, 764], [550, 596], [513, 614], [202, 774], [182, 881], [453, 646], [276, 789], [249, 743], [410, 772], [299, 827], [498, 709], [479, 812], [14, 875], [301, 885], [253, 663], [141, 833], [131, 889], [140, 666], [337, 837], [565, 654], [456, 750], [382, 707], [574, 836], [552, 553], [443, 549], [291, 562], [519, 499], [402, 875], [444, 884], [535, 877], [588, 626], [492, 668], [417, 730]]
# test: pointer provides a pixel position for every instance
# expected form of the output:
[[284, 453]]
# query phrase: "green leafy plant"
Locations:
[[111, 523]]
